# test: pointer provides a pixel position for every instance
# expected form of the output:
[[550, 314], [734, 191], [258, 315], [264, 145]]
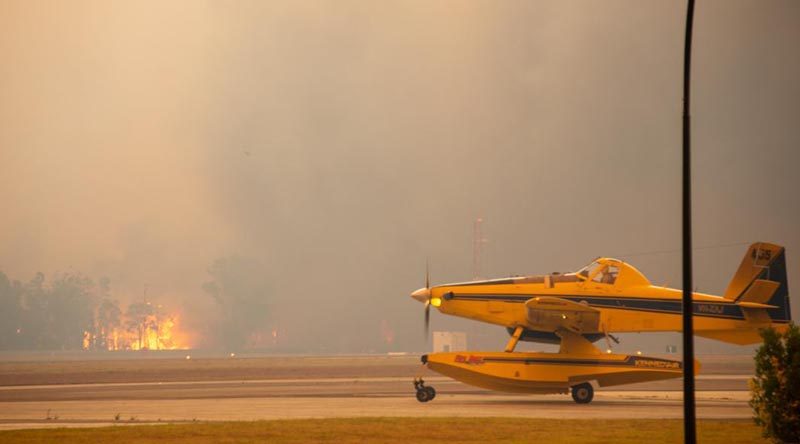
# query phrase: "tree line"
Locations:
[[69, 312]]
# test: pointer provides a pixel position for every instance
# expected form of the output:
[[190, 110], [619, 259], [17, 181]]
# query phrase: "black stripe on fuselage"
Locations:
[[723, 310]]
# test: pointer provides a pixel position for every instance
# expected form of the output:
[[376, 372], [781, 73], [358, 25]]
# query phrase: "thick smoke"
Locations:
[[279, 172]]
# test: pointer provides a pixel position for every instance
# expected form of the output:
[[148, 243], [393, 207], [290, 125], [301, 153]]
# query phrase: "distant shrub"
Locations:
[[775, 389]]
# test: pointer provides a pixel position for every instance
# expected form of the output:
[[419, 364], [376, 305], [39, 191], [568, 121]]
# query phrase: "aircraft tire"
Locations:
[[431, 393], [423, 395], [583, 393]]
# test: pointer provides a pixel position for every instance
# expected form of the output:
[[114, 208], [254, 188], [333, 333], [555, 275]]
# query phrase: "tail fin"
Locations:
[[761, 279]]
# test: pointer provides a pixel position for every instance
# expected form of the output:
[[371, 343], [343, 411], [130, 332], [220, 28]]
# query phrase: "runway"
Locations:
[[80, 405]]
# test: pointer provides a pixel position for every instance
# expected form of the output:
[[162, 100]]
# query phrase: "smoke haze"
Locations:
[[330, 148]]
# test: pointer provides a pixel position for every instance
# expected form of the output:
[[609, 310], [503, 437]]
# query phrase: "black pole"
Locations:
[[689, 433]]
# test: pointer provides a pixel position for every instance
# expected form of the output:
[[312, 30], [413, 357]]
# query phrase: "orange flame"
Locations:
[[156, 332]]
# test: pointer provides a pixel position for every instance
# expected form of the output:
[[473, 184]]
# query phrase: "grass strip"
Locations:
[[399, 430]]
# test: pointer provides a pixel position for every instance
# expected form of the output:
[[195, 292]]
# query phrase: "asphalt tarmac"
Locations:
[[81, 405]]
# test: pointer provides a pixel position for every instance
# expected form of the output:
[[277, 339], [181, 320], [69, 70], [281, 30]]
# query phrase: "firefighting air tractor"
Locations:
[[577, 309]]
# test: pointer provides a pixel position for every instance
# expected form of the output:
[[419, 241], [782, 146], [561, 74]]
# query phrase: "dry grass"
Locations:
[[401, 431]]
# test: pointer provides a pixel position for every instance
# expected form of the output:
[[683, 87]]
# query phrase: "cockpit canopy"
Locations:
[[611, 272], [603, 271]]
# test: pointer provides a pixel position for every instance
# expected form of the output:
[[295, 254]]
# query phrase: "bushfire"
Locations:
[[143, 327]]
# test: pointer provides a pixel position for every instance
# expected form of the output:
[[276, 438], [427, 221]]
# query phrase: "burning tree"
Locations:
[[151, 327], [139, 320], [108, 324]]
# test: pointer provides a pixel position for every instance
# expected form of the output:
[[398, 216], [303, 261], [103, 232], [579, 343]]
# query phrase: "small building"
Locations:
[[449, 341]]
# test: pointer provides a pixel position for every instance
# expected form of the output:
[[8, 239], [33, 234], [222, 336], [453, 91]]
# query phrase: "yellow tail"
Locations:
[[761, 280]]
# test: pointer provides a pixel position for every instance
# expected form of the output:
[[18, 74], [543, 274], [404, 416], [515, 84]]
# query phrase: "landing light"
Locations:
[[563, 316], [436, 302]]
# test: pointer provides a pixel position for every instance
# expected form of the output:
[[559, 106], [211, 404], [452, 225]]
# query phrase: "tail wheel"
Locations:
[[583, 393]]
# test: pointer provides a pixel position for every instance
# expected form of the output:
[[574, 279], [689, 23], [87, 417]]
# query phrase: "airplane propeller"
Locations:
[[427, 318], [428, 301], [424, 295]]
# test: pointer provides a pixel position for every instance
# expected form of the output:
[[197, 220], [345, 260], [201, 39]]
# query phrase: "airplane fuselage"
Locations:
[[622, 310], [611, 296]]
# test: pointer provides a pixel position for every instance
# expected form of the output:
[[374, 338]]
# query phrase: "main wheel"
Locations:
[[583, 393], [431, 393], [423, 395]]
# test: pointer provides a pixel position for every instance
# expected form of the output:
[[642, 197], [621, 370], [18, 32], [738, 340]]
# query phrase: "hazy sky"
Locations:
[[341, 143]]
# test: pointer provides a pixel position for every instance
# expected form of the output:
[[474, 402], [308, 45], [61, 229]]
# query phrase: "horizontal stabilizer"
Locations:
[[760, 292]]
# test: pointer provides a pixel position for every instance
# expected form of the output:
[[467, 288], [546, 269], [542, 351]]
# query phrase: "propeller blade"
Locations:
[[427, 319], [427, 275], [428, 301]]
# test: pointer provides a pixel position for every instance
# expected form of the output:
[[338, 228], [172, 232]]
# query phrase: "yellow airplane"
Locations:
[[575, 309]]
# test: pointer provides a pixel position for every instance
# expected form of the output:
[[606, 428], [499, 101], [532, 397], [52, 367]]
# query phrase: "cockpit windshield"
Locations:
[[588, 270], [599, 273], [607, 276]]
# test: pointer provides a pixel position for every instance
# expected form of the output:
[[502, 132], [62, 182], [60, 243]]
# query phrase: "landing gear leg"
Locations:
[[512, 343], [583, 393], [424, 393]]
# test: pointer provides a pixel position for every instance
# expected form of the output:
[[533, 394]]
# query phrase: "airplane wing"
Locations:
[[547, 313]]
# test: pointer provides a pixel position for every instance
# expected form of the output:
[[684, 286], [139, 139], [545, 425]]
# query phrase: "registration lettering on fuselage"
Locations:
[[710, 308], [471, 359], [653, 363]]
